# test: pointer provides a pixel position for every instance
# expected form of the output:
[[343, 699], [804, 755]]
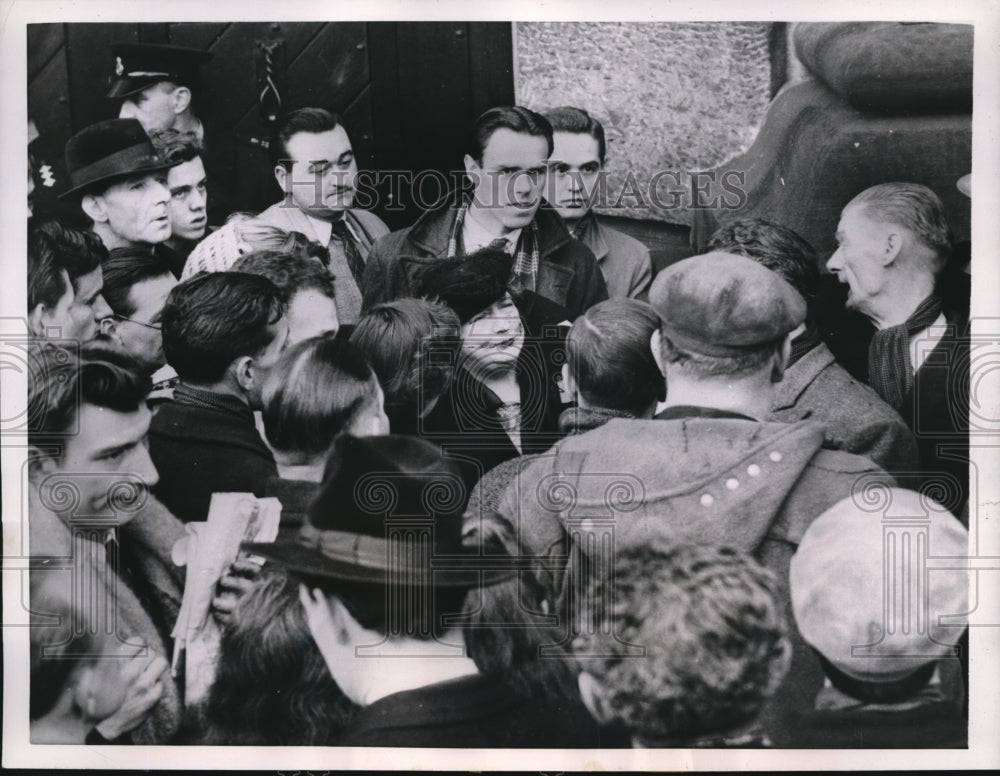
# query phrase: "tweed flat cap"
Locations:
[[720, 304], [865, 592]]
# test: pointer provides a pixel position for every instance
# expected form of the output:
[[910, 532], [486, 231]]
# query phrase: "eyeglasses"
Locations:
[[107, 324]]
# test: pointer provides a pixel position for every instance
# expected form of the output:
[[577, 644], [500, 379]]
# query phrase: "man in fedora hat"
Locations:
[[119, 181], [156, 84], [383, 564]]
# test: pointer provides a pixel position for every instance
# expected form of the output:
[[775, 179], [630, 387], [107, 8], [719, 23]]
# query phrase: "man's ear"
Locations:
[[593, 695], [36, 320], [656, 345], [180, 99], [280, 175], [472, 169], [244, 372], [93, 205], [893, 245], [782, 354], [40, 462]]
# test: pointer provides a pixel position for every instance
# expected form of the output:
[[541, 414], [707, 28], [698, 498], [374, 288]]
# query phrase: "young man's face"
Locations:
[[858, 261], [508, 180], [136, 209], [322, 176], [141, 335], [153, 107], [188, 198], [573, 171], [77, 315], [108, 445]]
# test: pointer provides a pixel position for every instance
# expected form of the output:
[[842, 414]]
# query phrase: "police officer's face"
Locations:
[[153, 107], [322, 176]]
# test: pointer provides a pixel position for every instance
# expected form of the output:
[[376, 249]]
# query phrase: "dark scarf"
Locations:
[[526, 257], [890, 371], [220, 402]]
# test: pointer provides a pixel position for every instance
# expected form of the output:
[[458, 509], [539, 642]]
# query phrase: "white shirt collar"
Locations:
[[475, 237]]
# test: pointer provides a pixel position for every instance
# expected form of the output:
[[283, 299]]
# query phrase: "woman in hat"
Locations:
[[501, 403]]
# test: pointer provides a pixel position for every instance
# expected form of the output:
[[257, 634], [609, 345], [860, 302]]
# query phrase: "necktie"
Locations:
[[351, 251], [499, 244]]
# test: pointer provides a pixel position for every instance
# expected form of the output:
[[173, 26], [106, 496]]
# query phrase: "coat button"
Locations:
[[753, 470], [707, 500], [732, 483], [775, 456]]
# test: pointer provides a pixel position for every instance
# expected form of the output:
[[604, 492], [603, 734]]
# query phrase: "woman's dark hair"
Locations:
[[413, 345], [212, 319], [272, 686], [314, 393]]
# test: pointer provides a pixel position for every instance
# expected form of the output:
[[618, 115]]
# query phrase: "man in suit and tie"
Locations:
[[315, 166]]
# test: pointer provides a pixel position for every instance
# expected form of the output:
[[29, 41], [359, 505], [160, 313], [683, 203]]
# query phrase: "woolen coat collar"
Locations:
[[800, 376]]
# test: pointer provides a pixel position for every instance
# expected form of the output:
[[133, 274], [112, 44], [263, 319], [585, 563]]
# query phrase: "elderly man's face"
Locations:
[[859, 260], [136, 209]]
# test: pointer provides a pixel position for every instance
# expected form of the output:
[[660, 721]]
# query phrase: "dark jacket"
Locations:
[[569, 280], [857, 421], [203, 443], [624, 261], [476, 711], [295, 497], [693, 474]]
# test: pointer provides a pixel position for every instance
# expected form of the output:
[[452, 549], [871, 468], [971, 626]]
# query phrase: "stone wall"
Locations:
[[676, 97]]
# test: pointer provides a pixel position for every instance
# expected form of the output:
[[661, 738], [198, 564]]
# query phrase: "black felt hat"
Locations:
[[138, 66], [116, 148], [389, 510], [467, 284]]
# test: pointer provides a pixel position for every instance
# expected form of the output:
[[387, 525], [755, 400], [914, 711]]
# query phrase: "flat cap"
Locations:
[[140, 65], [720, 304], [864, 589]]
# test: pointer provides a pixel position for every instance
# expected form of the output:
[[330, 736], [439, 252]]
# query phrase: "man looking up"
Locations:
[[575, 167], [222, 333], [315, 166], [554, 278]]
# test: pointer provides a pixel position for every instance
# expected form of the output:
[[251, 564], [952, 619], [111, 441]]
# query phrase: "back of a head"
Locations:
[[609, 356], [212, 319], [77, 252], [291, 273], [578, 122], [272, 686], [515, 118], [714, 638], [776, 247], [125, 268], [310, 120], [61, 379], [915, 208], [863, 600], [412, 344], [315, 392], [47, 283]]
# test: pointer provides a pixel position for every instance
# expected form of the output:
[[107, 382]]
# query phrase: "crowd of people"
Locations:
[[533, 493]]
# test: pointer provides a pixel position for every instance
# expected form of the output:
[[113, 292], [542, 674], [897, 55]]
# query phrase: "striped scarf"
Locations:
[[526, 257], [890, 371]]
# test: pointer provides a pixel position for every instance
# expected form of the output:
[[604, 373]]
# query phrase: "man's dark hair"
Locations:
[[774, 246], [46, 282], [289, 272], [125, 268], [311, 120], [51, 243], [579, 122], [610, 357], [212, 319], [175, 147], [514, 118], [60, 380], [413, 347], [316, 391]]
